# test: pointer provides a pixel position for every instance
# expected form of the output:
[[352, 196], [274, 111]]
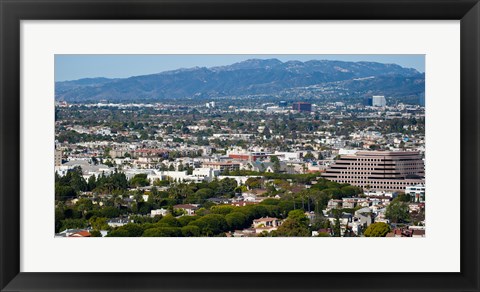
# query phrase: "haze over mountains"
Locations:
[[314, 79]]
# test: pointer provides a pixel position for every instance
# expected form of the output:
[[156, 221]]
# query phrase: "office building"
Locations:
[[379, 100], [368, 101], [378, 170], [302, 106]]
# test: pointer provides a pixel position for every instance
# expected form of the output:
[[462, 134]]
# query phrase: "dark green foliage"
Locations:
[[170, 221], [184, 220], [236, 220], [139, 180], [222, 209], [95, 233], [211, 224], [110, 212], [163, 232], [190, 231], [73, 224], [128, 230]]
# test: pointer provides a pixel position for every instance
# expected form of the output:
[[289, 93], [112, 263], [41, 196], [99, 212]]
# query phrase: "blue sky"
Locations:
[[72, 67]]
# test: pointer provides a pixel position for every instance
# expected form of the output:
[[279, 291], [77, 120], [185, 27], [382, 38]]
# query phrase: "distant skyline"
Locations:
[[73, 67]]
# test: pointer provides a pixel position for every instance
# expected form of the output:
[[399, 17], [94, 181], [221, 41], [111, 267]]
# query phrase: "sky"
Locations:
[[73, 67]]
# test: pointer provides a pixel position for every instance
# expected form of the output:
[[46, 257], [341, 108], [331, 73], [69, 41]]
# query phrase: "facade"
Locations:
[[247, 156], [222, 166], [379, 100], [207, 174], [302, 106], [368, 101], [189, 209], [417, 191], [58, 157], [158, 212], [378, 170]]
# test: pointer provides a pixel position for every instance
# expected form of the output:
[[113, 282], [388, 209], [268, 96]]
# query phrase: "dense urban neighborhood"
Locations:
[[255, 165]]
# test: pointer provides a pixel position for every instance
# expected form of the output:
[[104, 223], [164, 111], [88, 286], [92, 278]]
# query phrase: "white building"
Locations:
[[206, 173], [379, 100], [416, 191], [158, 212]]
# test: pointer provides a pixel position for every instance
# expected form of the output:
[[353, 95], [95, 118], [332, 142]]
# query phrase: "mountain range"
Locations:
[[252, 77]]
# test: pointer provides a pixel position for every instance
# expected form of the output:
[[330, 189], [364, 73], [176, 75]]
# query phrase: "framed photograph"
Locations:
[[239, 146]]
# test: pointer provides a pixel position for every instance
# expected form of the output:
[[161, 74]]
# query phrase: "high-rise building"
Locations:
[[368, 101], [378, 170], [302, 106], [379, 100], [282, 103]]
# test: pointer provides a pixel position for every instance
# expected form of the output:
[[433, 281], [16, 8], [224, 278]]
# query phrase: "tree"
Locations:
[[139, 180], [397, 212], [296, 225], [378, 229], [236, 220], [92, 183], [308, 156], [163, 232], [402, 197], [211, 224], [266, 133], [190, 231], [253, 183], [95, 233], [337, 232], [128, 230]]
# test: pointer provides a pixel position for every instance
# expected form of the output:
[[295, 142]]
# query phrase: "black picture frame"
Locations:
[[13, 11]]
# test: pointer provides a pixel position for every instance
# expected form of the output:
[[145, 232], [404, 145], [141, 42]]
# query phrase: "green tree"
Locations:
[[236, 220], [337, 232], [378, 229], [163, 232], [92, 183], [128, 230], [139, 180], [190, 231], [398, 212], [211, 224], [296, 225]]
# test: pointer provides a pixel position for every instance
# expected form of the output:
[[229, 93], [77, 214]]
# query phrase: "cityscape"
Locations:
[[277, 146]]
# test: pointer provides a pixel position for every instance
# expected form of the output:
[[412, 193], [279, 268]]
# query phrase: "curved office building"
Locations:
[[378, 170]]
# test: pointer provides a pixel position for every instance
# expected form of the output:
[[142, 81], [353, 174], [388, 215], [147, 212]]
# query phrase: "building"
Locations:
[[247, 156], [58, 157], [282, 103], [208, 174], [210, 104], [188, 209], [222, 166], [368, 101], [118, 222], [378, 170], [416, 191], [302, 106], [158, 212], [379, 100]]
